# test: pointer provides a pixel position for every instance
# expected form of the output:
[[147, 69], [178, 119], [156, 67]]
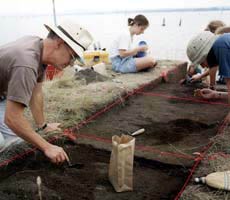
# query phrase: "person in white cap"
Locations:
[[212, 51], [195, 73], [22, 70]]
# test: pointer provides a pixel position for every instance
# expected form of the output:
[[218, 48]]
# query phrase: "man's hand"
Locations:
[[52, 127], [56, 154], [196, 77], [208, 93]]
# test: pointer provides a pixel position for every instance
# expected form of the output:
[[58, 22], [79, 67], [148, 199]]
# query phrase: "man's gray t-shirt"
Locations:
[[21, 68]]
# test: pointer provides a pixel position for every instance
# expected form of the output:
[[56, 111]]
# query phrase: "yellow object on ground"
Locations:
[[95, 57]]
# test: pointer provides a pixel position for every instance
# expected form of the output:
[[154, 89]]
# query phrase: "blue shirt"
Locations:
[[221, 49]]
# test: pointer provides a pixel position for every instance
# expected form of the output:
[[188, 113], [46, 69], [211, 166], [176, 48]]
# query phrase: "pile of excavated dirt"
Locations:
[[89, 76]]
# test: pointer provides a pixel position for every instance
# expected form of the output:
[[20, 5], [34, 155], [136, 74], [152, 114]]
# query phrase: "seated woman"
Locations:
[[122, 56]]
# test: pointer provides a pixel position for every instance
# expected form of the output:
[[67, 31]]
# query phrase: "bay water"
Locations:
[[165, 42]]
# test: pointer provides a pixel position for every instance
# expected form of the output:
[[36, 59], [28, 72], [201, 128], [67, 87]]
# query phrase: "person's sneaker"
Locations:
[[221, 81]]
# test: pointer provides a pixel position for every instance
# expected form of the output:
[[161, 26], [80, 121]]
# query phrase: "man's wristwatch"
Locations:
[[41, 128]]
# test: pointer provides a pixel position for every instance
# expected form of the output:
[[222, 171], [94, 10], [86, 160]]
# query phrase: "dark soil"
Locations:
[[172, 125], [18, 181]]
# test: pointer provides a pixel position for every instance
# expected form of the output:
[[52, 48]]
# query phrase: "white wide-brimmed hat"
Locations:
[[199, 46], [77, 37]]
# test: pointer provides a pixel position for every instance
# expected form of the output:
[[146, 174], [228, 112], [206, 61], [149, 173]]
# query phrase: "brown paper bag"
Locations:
[[121, 163]]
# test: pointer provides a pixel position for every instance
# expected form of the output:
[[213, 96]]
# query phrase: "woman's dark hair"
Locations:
[[139, 20]]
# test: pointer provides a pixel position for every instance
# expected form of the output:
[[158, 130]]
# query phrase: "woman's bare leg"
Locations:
[[145, 62]]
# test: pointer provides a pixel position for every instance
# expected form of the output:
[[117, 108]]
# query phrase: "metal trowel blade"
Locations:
[[76, 165]]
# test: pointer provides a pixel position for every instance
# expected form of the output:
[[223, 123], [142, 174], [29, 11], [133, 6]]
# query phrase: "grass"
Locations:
[[217, 159], [69, 101]]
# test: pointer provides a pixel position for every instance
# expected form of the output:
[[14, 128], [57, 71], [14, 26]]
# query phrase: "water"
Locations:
[[165, 42]]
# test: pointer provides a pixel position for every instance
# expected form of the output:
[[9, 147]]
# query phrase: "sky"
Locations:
[[23, 7]]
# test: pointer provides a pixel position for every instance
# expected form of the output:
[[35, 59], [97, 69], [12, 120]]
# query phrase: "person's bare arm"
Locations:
[[228, 87], [37, 109], [212, 72], [16, 121], [199, 76], [36, 105], [132, 52], [212, 94]]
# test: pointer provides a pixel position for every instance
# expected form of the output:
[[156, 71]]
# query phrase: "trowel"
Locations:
[[72, 138], [75, 165], [138, 132]]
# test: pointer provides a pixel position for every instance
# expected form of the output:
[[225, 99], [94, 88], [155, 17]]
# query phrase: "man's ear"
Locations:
[[58, 42]]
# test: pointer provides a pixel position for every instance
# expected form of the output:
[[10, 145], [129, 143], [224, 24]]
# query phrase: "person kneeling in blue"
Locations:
[[126, 59], [212, 51]]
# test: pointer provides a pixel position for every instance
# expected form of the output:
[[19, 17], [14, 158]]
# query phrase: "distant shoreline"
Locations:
[[81, 12], [155, 10]]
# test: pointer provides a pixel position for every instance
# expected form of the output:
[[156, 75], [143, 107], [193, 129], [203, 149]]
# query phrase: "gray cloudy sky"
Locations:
[[45, 6]]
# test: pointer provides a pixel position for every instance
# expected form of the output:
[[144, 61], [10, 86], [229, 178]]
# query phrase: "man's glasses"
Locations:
[[74, 57]]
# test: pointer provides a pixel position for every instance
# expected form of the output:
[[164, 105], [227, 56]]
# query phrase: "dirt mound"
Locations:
[[89, 76]]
